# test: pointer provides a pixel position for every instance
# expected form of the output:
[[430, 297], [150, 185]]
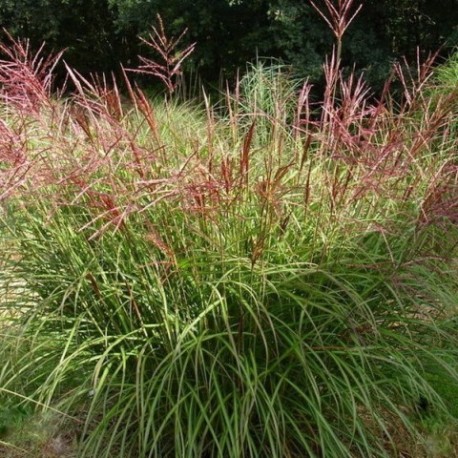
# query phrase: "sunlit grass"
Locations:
[[266, 277]]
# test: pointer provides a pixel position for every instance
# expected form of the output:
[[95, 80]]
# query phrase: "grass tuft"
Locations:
[[269, 277]]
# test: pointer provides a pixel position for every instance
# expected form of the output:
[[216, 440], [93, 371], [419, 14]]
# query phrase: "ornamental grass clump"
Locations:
[[177, 284]]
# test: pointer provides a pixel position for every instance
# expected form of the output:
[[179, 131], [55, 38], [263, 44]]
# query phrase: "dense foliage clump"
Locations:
[[100, 33], [262, 276]]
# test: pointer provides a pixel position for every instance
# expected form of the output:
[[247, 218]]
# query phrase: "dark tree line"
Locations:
[[98, 34]]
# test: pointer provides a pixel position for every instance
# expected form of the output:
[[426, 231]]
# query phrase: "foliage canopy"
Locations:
[[100, 33]]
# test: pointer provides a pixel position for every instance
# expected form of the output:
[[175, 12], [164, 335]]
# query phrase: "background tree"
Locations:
[[86, 28], [98, 34]]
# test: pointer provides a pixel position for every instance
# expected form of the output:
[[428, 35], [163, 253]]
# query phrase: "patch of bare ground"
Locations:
[[40, 437], [433, 441]]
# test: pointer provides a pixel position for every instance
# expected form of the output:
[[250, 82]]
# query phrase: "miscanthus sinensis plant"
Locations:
[[267, 279]]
